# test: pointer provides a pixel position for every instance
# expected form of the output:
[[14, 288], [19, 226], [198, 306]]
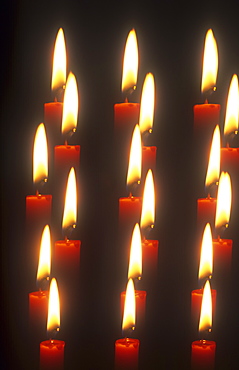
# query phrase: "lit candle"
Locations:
[[203, 351], [127, 349], [53, 110], [205, 272], [38, 207], [146, 118], [130, 207], [52, 350], [206, 207]]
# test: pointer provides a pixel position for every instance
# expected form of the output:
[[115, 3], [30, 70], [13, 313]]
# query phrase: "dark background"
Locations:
[[170, 38]]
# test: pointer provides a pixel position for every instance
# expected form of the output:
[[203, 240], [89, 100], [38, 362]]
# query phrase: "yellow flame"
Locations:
[[135, 260], [148, 204], [210, 62], [129, 307], [40, 155], [205, 322], [130, 65], [70, 106], [146, 115], [135, 158], [224, 200], [213, 169], [70, 214], [206, 259], [232, 111], [53, 319], [44, 265], [59, 62]]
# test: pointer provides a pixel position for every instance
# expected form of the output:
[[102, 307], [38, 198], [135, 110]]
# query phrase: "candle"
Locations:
[[222, 250], [203, 351], [52, 350], [150, 260], [53, 110], [127, 349], [148, 159]]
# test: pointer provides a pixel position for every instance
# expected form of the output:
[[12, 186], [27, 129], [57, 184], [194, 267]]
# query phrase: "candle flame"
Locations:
[[130, 65], [129, 307], [148, 204], [40, 155], [53, 319], [206, 259], [70, 213], [135, 158], [147, 104], [44, 265], [70, 106], [224, 200], [232, 111], [59, 62], [213, 169], [210, 63], [205, 322], [135, 260]]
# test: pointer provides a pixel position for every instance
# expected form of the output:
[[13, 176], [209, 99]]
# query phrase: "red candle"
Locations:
[[67, 257], [66, 156], [129, 211], [140, 298], [148, 159], [203, 355], [222, 251], [230, 160], [206, 211], [150, 259], [38, 210], [196, 303], [126, 354], [38, 303]]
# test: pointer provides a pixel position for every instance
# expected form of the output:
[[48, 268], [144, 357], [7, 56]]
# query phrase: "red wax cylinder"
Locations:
[[127, 354], [150, 259], [129, 211], [53, 120], [126, 116], [196, 302], [206, 116], [66, 156], [38, 308], [67, 256], [222, 257], [203, 355], [206, 212], [52, 355], [148, 159], [140, 297], [230, 160], [38, 210]]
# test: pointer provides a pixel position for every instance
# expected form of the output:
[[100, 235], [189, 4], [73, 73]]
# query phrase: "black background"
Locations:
[[170, 37]]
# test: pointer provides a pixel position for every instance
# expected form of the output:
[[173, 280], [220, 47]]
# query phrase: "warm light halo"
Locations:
[[210, 63], [70, 106], [53, 318], [135, 158], [135, 260], [205, 322], [146, 115], [129, 307], [130, 64], [44, 264], [70, 208], [206, 258], [232, 110], [213, 170], [59, 62], [40, 155], [224, 200], [148, 202]]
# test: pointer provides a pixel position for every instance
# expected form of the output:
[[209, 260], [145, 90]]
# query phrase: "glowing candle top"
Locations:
[[146, 115], [130, 64], [206, 258], [59, 62], [210, 63]]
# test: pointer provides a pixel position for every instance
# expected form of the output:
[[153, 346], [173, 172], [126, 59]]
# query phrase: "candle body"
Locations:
[[148, 159], [140, 297], [206, 116], [53, 120], [52, 355], [126, 354], [150, 262], [206, 211], [203, 355], [222, 257], [67, 256], [129, 211], [38, 210], [38, 308], [126, 116], [196, 302], [230, 160]]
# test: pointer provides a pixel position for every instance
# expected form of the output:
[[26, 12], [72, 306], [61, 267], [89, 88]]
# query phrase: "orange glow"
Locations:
[[59, 62], [210, 63], [205, 322], [213, 169], [147, 104], [44, 265], [69, 216], [135, 158], [135, 260], [206, 264], [70, 106], [130, 65], [148, 204], [224, 200], [40, 155], [129, 307], [232, 111], [53, 319]]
